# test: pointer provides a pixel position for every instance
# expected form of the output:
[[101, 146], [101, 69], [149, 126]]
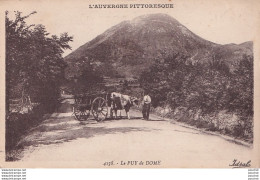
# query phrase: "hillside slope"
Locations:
[[130, 47]]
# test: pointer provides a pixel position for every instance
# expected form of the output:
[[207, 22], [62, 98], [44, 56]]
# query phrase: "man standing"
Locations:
[[146, 106]]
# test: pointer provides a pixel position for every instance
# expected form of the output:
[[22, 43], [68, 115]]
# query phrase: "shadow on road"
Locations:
[[64, 129]]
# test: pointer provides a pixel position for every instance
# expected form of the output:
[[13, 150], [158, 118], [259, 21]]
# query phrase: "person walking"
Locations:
[[146, 106]]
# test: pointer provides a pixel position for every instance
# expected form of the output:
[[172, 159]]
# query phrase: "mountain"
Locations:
[[130, 47]]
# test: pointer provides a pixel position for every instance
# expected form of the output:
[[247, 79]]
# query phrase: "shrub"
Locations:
[[238, 131], [212, 127], [227, 131], [202, 124], [18, 124]]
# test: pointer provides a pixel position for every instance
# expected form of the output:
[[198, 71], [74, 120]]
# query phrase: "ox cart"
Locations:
[[86, 104]]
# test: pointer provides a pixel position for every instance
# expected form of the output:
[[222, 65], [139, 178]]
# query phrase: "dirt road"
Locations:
[[91, 144]]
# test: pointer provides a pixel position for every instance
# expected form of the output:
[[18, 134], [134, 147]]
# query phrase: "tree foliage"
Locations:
[[242, 88], [209, 87], [33, 59], [89, 79]]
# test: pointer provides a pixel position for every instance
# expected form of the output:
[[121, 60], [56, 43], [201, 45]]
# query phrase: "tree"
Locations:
[[165, 80], [33, 59], [89, 79], [241, 92], [208, 91], [178, 82]]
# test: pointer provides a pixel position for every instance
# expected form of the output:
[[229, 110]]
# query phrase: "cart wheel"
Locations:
[[81, 114], [99, 109]]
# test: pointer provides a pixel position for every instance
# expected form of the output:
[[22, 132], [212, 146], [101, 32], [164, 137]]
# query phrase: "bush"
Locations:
[[211, 127], [18, 124], [227, 131], [202, 124], [192, 122], [209, 87], [238, 131]]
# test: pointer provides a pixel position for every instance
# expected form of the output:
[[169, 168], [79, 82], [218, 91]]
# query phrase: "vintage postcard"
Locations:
[[130, 84]]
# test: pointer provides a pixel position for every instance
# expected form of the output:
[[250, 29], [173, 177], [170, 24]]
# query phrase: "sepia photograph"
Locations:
[[130, 84]]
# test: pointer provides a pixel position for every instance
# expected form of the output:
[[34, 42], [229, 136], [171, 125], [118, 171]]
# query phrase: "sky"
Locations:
[[219, 21]]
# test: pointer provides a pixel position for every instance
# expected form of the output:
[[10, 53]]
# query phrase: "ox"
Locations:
[[120, 102]]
